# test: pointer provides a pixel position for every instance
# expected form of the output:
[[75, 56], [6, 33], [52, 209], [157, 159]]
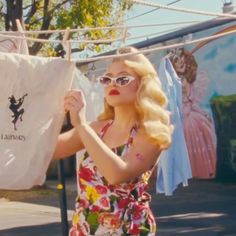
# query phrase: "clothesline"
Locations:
[[66, 42], [60, 41], [99, 28], [70, 30], [162, 24], [156, 34], [180, 9], [123, 27], [69, 42], [124, 37], [145, 51]]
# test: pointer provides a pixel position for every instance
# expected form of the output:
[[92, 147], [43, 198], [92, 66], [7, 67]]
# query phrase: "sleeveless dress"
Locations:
[[111, 210]]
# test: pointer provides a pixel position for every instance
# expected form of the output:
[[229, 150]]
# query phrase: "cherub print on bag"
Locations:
[[15, 107]]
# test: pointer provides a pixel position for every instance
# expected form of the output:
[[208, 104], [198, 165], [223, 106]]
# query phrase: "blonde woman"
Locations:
[[122, 147]]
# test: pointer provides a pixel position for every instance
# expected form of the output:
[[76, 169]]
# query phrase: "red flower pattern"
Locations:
[[127, 201], [86, 174], [134, 229], [95, 208], [101, 189], [122, 203]]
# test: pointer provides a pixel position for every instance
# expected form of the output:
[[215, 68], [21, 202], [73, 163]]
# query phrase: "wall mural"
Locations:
[[208, 75]]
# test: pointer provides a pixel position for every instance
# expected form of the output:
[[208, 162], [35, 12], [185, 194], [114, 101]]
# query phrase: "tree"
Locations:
[[60, 14]]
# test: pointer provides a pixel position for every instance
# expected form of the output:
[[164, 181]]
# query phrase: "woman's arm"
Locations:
[[141, 156], [68, 143]]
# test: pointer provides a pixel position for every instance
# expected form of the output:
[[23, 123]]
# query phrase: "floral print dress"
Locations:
[[103, 209]]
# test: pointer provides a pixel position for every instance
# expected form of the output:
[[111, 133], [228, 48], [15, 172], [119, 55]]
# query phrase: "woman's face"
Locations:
[[116, 95], [179, 62]]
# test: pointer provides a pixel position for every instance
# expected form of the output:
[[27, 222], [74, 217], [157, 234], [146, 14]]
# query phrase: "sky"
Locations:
[[166, 16]]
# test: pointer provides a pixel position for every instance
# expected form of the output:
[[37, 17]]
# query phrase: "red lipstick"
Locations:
[[114, 92]]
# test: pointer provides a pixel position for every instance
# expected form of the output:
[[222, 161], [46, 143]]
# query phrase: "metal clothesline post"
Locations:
[[61, 187]]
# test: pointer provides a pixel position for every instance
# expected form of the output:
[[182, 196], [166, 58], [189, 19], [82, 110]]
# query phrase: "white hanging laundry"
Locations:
[[8, 45], [94, 95], [31, 116], [14, 45], [22, 46]]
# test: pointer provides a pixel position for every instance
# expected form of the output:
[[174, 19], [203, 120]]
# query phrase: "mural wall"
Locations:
[[208, 74]]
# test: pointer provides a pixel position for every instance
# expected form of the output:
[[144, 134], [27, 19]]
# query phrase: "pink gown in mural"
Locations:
[[199, 129]]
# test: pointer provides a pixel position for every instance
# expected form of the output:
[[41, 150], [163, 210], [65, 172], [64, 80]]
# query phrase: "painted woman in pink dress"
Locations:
[[198, 126]]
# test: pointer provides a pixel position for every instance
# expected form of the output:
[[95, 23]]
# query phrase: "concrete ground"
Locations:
[[204, 208]]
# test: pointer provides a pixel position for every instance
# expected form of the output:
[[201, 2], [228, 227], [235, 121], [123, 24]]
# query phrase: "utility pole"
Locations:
[[14, 11]]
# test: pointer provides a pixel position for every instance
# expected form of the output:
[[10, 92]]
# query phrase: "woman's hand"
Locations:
[[75, 104]]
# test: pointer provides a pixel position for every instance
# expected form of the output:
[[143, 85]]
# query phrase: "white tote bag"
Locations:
[[31, 116]]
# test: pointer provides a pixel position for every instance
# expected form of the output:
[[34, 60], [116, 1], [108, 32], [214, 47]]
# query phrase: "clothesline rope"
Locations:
[[121, 55], [124, 37], [125, 28], [117, 27], [180, 9], [164, 24], [99, 28], [145, 51], [83, 41], [155, 34], [122, 27], [61, 41]]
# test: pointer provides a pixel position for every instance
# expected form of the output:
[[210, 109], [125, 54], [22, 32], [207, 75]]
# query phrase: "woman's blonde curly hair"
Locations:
[[150, 103]]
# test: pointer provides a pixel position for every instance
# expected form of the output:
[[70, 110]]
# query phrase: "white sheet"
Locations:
[[32, 89]]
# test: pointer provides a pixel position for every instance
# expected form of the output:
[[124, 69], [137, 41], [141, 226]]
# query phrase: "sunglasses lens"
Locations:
[[122, 81], [104, 80], [119, 81]]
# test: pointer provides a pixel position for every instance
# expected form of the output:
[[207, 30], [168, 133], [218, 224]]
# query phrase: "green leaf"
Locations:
[[92, 220]]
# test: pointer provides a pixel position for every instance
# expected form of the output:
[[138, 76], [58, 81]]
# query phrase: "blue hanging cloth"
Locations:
[[174, 166]]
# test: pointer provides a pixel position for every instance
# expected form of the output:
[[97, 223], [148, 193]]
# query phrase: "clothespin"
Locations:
[[187, 39], [67, 44], [125, 34], [123, 38], [19, 26], [23, 46]]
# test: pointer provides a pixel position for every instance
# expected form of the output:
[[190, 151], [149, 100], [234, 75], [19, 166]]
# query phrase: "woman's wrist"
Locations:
[[82, 125]]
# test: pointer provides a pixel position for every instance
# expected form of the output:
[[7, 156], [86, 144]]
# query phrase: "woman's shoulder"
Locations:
[[98, 125], [144, 141]]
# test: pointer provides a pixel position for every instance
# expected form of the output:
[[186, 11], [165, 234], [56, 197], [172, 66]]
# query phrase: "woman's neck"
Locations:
[[125, 117]]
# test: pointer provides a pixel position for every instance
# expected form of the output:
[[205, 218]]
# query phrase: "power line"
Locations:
[[145, 13], [185, 10]]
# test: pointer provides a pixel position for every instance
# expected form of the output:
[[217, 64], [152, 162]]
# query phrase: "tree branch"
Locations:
[[58, 6], [45, 26], [31, 12]]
